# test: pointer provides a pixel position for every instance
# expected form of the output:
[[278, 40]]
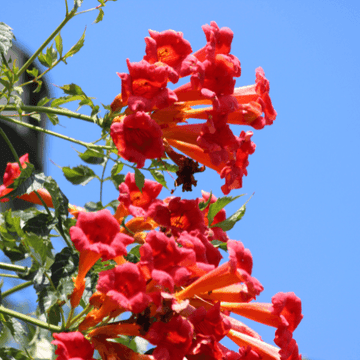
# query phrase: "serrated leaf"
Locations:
[[53, 118], [23, 182], [41, 224], [139, 179], [92, 157], [41, 246], [159, 177], [33, 72], [116, 168], [43, 101], [74, 49], [72, 89], [60, 201], [58, 44], [163, 165], [100, 16], [65, 99], [79, 175], [229, 223], [65, 265], [218, 205], [6, 37]]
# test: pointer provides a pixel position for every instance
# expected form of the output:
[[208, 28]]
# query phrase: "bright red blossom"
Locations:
[[137, 137], [72, 346]]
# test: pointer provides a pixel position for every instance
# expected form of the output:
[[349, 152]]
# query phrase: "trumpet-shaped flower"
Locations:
[[73, 346], [137, 137], [95, 236]]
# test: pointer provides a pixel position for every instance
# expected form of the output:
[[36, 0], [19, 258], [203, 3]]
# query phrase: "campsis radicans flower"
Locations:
[[13, 171], [153, 123]]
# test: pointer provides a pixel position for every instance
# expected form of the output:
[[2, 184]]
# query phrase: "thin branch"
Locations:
[[52, 35], [29, 319], [49, 132], [17, 288]]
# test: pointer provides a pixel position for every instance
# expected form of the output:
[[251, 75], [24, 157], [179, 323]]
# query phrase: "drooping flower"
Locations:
[[137, 137], [72, 346], [95, 236]]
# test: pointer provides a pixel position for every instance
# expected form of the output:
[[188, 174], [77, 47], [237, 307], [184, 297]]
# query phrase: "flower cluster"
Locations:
[[179, 295], [153, 123]]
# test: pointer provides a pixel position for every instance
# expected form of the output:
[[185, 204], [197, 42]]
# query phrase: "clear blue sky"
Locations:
[[302, 225]]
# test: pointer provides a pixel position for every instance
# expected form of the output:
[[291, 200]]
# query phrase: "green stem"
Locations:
[[17, 288], [92, 9], [10, 276], [68, 322], [49, 132], [84, 312], [10, 146], [102, 178], [29, 319], [52, 35], [12, 267], [56, 111]]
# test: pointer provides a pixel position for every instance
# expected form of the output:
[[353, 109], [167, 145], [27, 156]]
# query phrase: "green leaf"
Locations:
[[113, 204], [16, 329], [6, 37], [65, 265], [7, 353], [163, 165], [41, 224], [38, 88], [100, 16], [92, 156], [117, 180], [65, 99], [74, 49], [48, 58], [60, 201], [72, 89], [33, 72], [22, 183], [37, 117], [53, 118], [203, 205], [159, 177], [134, 254], [116, 168], [139, 179], [43, 101], [229, 223], [58, 43], [92, 206], [79, 175], [220, 244], [219, 204], [41, 247]]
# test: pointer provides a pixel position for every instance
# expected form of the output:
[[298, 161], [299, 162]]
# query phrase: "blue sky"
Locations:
[[302, 224]]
